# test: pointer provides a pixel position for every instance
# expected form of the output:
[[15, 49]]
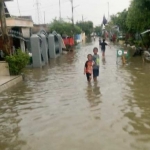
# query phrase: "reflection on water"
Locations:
[[9, 119], [139, 109], [55, 108], [104, 60], [93, 94]]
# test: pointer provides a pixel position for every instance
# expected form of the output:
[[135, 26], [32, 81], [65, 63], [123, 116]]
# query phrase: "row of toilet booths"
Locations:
[[45, 47]]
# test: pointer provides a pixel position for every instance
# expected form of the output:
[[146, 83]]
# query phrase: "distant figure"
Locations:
[[94, 37], [88, 68], [96, 60], [114, 38]]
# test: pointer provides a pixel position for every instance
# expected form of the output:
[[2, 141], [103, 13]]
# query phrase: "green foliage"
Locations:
[[63, 27], [17, 62], [86, 26], [146, 39], [98, 30], [134, 21], [131, 40], [138, 15], [120, 20], [138, 43]]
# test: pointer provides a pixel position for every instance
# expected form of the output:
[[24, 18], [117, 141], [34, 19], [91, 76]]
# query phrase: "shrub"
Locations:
[[138, 43], [17, 62], [64, 28], [131, 40]]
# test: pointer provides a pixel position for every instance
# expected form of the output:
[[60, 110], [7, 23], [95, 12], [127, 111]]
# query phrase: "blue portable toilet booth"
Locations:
[[55, 46], [36, 49], [44, 47]]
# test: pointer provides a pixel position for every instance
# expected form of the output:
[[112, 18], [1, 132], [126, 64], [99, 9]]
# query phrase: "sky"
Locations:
[[92, 10]]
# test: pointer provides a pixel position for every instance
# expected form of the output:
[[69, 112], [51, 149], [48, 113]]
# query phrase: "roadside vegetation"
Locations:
[[66, 28], [133, 21], [17, 62]]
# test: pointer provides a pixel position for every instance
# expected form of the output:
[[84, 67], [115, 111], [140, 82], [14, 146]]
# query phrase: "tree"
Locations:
[[86, 26], [98, 30], [138, 15], [120, 20], [63, 27], [17, 62]]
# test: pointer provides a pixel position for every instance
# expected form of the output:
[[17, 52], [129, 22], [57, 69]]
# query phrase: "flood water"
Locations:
[[56, 109]]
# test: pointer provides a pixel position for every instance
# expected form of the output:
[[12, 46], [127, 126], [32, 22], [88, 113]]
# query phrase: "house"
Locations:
[[19, 30], [37, 27]]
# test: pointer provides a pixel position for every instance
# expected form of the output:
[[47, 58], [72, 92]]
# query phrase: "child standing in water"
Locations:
[[88, 68], [103, 45], [96, 60]]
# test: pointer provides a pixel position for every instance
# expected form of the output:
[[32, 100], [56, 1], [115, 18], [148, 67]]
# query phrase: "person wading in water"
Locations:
[[96, 60], [103, 45], [88, 68]]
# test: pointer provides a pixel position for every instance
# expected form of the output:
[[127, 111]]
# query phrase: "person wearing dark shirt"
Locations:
[[103, 46]]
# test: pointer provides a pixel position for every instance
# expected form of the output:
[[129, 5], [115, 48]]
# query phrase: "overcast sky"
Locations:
[[90, 9]]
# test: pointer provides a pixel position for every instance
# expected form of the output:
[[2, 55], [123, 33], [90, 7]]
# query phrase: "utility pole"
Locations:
[[108, 18], [44, 17], [38, 13], [108, 11], [83, 18], [5, 38], [18, 7], [59, 10], [72, 8], [72, 11]]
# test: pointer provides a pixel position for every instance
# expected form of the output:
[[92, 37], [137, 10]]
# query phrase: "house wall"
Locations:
[[26, 32], [37, 28], [22, 45], [17, 22]]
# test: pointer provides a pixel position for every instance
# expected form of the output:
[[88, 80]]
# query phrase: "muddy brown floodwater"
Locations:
[[56, 109]]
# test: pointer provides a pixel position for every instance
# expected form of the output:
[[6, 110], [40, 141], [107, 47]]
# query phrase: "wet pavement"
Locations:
[[56, 109]]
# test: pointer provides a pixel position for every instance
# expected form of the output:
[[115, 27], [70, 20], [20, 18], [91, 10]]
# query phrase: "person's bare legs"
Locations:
[[103, 54], [90, 79], [95, 79]]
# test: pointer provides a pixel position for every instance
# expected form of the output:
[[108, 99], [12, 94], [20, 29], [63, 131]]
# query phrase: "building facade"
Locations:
[[19, 30]]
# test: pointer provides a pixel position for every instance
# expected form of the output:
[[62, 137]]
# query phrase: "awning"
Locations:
[[15, 34], [145, 32]]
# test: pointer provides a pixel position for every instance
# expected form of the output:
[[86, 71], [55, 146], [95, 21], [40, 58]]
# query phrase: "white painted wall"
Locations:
[[22, 44]]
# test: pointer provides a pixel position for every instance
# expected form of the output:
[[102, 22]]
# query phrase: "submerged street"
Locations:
[[56, 109]]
